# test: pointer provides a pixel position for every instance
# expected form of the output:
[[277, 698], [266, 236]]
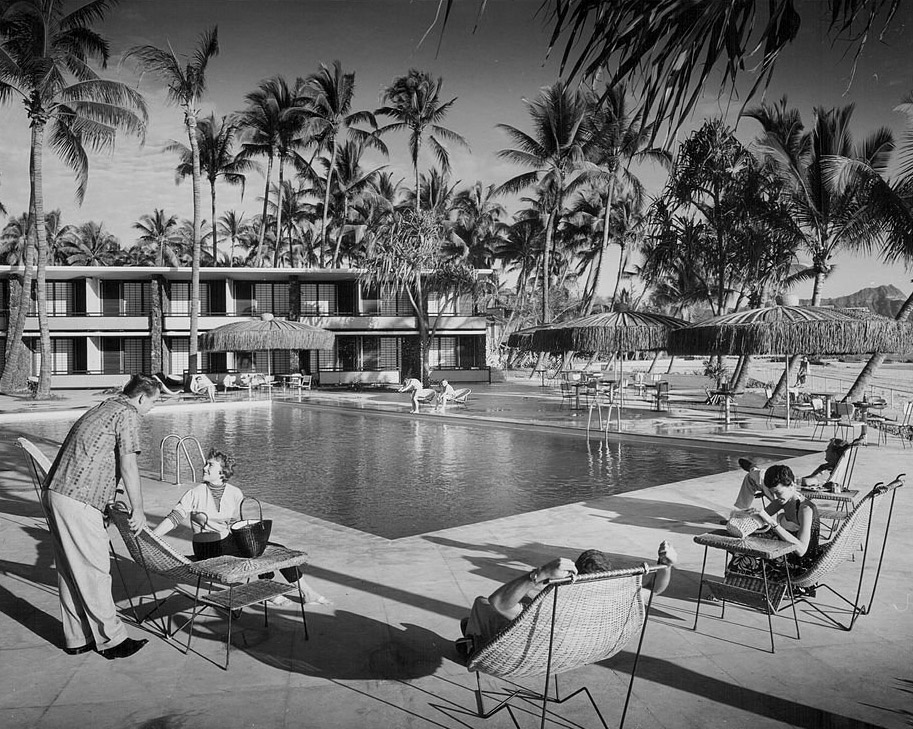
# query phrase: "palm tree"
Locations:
[[413, 101], [90, 245], [14, 240], [351, 181], [296, 213], [186, 85], [45, 56], [217, 160], [619, 139], [478, 224], [823, 213], [274, 120], [158, 232], [233, 226], [328, 98], [885, 221], [555, 152]]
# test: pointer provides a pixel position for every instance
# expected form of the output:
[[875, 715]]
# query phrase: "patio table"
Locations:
[[753, 593]]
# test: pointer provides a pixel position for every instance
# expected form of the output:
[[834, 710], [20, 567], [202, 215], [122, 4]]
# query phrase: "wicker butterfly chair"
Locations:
[[571, 623], [38, 466], [802, 586], [156, 557]]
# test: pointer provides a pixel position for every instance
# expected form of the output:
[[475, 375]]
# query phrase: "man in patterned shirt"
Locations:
[[99, 450]]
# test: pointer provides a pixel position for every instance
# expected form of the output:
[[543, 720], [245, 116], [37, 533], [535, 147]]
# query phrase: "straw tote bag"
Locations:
[[251, 535]]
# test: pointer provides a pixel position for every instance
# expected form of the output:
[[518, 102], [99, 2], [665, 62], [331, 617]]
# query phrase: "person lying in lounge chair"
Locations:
[[200, 384], [489, 615], [419, 392]]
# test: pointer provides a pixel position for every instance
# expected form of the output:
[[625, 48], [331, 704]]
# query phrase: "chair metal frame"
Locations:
[[540, 622], [156, 557], [767, 595], [39, 465]]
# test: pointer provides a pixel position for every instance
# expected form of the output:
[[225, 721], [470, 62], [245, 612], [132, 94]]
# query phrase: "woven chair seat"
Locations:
[[234, 598], [597, 615], [748, 591]]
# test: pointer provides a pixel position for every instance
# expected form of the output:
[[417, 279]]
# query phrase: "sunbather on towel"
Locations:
[[419, 392], [213, 506], [491, 614]]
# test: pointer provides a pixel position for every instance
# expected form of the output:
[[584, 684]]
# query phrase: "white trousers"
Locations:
[[83, 564]]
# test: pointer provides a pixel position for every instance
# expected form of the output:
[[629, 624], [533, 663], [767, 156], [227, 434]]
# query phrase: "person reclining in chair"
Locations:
[[490, 615]]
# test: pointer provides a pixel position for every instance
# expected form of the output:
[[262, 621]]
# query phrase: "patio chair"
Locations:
[[845, 423], [461, 396], [571, 623], [38, 467], [771, 596], [305, 382], [902, 428], [822, 418], [157, 558], [838, 507]]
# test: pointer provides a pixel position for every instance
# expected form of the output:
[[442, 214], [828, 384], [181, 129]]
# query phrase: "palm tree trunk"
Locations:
[[621, 268], [44, 374], [17, 365], [215, 237], [546, 255], [342, 223], [279, 211], [191, 122], [862, 381], [610, 198], [262, 235], [326, 205]]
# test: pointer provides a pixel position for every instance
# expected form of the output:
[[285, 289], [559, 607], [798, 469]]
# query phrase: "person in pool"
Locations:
[[213, 506]]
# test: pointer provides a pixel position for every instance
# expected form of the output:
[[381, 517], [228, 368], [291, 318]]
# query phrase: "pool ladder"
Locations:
[[180, 446]]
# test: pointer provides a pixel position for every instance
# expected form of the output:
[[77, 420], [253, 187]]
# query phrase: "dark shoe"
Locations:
[[90, 646], [124, 650], [464, 648]]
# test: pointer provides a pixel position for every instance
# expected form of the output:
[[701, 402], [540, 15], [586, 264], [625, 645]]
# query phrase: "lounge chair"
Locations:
[[459, 397], [157, 558], [571, 623], [770, 596], [38, 466], [835, 507]]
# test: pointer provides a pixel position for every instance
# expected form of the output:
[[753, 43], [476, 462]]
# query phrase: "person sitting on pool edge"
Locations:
[[213, 506], [419, 392], [447, 393], [490, 615]]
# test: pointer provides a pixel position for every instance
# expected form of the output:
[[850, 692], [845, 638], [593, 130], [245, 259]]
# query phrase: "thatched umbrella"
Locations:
[[788, 330], [610, 332], [265, 332]]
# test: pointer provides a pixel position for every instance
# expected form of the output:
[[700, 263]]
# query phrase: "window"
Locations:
[[259, 298], [125, 355], [180, 354], [179, 304], [127, 298], [443, 352], [380, 353], [318, 299]]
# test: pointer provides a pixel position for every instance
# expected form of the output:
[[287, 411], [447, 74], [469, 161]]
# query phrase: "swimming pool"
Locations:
[[396, 477]]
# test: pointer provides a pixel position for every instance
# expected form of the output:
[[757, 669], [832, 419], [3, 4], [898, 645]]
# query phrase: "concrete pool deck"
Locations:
[[381, 656]]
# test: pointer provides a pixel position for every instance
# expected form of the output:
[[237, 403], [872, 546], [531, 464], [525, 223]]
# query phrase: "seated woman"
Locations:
[[213, 506], [791, 517], [200, 383], [446, 394]]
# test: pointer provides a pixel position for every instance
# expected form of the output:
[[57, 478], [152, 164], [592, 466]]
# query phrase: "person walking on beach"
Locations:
[[99, 450]]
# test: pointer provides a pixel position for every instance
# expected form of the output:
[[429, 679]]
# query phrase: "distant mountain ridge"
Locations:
[[884, 300]]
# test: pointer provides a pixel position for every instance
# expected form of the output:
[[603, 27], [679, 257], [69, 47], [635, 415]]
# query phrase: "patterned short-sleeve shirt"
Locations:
[[87, 466]]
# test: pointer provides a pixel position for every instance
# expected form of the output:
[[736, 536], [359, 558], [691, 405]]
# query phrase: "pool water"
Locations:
[[397, 477]]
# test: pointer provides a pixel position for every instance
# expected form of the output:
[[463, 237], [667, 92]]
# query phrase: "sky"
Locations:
[[492, 72]]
